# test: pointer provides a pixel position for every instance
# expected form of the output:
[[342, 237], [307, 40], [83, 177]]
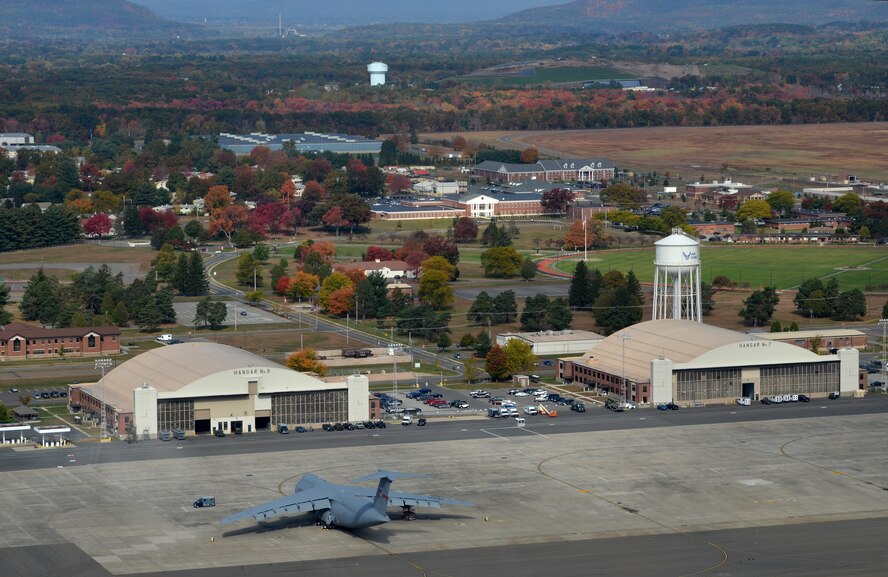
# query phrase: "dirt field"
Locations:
[[801, 152]]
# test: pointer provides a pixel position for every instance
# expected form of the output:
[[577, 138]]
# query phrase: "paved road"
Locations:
[[595, 419]]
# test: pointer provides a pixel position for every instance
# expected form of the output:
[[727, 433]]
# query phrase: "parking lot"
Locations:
[[238, 313]]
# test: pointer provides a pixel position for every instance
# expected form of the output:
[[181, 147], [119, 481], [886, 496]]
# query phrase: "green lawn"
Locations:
[[785, 267]]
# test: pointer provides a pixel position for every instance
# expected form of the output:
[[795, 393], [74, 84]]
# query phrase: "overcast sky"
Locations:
[[341, 11]]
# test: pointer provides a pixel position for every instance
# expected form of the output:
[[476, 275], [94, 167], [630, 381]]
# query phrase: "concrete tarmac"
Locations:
[[769, 497]]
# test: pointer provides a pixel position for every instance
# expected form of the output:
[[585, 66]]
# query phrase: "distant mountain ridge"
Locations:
[[664, 15], [80, 18]]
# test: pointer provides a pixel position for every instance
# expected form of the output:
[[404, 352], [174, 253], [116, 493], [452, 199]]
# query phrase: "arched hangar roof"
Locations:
[[197, 369], [689, 344]]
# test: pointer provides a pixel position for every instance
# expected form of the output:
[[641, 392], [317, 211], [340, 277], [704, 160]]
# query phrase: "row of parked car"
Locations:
[[359, 426], [776, 399]]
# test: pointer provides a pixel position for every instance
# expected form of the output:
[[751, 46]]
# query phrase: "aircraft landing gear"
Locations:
[[407, 513]]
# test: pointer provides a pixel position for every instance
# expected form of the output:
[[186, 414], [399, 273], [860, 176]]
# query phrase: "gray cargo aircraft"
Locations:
[[352, 507]]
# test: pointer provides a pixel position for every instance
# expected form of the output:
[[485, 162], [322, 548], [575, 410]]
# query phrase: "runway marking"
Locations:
[[494, 434], [534, 432]]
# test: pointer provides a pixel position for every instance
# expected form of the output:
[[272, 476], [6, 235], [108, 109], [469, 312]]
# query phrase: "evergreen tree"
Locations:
[[5, 316], [560, 315], [707, 298], [505, 307], [616, 308], [849, 306], [78, 319], [535, 315], [482, 344], [180, 275], [634, 287], [371, 296], [216, 315], [580, 292], [483, 309], [277, 271], [148, 317], [198, 283], [443, 340], [528, 268], [163, 300], [41, 299], [759, 307], [120, 316]]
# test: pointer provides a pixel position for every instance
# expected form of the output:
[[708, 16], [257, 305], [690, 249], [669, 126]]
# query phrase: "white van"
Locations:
[[406, 420], [165, 338]]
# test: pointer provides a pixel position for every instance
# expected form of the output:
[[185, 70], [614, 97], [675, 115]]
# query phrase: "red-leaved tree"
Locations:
[[98, 225]]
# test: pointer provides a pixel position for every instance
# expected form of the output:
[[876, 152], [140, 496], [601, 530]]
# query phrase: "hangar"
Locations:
[[199, 387], [688, 362]]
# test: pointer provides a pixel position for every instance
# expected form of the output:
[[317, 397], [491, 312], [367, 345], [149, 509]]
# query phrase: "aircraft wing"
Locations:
[[399, 499], [300, 502], [402, 499]]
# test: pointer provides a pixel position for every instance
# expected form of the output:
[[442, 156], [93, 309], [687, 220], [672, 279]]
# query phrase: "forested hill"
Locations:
[[100, 19], [673, 15]]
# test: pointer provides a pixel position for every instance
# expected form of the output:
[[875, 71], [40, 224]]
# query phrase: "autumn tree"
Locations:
[[306, 361], [501, 262], [465, 230], [519, 356], [98, 225], [579, 235], [341, 301], [216, 198], [228, 220], [334, 282], [557, 200], [497, 365], [302, 285], [530, 155], [441, 264], [754, 209], [397, 183], [380, 253], [434, 289], [624, 196], [334, 219]]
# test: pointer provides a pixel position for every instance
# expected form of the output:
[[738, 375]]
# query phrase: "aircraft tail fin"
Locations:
[[381, 499]]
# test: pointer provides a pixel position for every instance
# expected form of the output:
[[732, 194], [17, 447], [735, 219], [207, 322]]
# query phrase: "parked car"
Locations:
[[835, 395], [479, 394], [348, 427], [421, 422], [301, 429], [804, 398], [338, 426], [578, 407], [547, 363], [380, 424], [521, 394], [459, 404], [219, 432], [327, 427], [766, 401], [745, 401]]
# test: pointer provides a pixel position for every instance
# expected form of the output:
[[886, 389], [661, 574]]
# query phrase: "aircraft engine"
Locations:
[[328, 519]]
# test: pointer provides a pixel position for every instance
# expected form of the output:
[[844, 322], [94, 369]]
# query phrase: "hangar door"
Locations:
[[175, 414], [310, 407]]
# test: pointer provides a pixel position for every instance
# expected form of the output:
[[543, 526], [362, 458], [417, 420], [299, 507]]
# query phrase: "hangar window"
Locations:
[[175, 414], [802, 378], [310, 407], [701, 384]]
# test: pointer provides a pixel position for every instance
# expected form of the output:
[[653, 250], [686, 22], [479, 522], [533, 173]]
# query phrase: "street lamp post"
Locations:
[[585, 242], [623, 338], [103, 364]]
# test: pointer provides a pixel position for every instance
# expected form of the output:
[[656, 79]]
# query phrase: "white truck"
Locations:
[[165, 338]]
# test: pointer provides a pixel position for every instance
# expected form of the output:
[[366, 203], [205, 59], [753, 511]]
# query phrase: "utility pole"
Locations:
[[103, 364], [585, 243]]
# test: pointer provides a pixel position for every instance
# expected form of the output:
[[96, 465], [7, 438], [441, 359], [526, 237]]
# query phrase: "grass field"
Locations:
[[785, 267], [554, 75], [797, 152]]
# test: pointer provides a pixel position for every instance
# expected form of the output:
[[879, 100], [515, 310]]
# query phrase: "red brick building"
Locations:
[[23, 341]]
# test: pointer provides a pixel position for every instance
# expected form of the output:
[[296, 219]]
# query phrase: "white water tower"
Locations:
[[677, 293], [377, 72]]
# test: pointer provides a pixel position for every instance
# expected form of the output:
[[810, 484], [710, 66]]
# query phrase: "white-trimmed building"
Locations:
[[199, 387], [686, 362], [546, 343]]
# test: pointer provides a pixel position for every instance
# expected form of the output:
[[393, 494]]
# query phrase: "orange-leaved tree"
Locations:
[[306, 361]]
